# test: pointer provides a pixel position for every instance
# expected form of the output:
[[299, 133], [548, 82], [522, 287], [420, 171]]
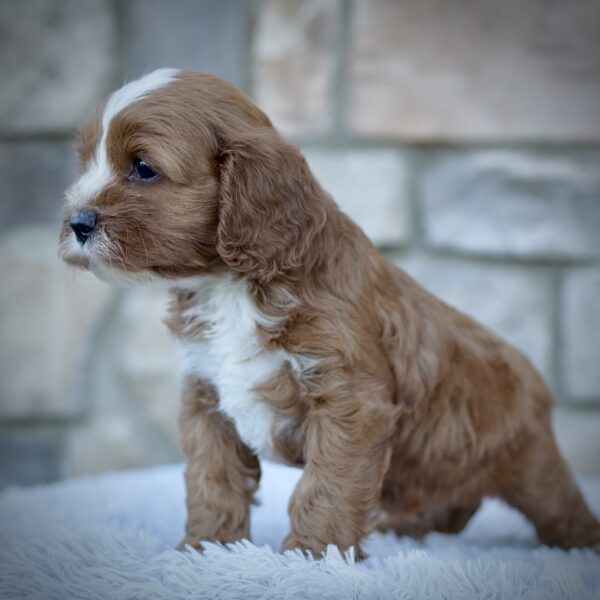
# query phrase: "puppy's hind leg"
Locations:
[[537, 482], [413, 525], [453, 519], [449, 519]]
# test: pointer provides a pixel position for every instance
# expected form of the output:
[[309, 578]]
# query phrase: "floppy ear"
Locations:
[[271, 206]]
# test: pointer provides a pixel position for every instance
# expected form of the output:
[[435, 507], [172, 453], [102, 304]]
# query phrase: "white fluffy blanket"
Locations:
[[113, 537]]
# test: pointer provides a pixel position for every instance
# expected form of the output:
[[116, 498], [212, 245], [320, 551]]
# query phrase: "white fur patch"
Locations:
[[99, 173], [232, 358]]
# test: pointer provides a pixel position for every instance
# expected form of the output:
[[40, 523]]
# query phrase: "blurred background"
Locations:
[[463, 136]]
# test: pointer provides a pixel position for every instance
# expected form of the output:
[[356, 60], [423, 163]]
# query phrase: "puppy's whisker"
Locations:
[[114, 245], [120, 253], [144, 243], [109, 248]]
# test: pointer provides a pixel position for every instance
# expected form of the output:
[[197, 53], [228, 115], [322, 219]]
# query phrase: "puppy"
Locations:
[[301, 343]]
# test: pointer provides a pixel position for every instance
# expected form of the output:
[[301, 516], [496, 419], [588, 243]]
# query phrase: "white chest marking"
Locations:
[[232, 358]]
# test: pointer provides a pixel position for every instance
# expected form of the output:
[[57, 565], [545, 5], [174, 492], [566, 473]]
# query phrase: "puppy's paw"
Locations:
[[307, 547], [583, 537], [188, 542], [595, 544], [315, 548], [589, 538]]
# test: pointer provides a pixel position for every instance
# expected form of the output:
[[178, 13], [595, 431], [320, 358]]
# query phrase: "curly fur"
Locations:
[[403, 412]]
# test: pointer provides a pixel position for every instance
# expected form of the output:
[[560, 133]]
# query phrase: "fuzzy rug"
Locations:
[[113, 537]]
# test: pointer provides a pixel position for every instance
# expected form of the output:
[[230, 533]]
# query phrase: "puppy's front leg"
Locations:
[[337, 499], [222, 473]]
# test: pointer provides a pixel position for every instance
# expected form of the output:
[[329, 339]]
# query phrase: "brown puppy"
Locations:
[[301, 342]]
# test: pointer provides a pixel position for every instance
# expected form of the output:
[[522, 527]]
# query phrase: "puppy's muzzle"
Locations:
[[84, 224]]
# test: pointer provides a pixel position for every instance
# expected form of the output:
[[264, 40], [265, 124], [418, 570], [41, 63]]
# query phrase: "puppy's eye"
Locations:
[[142, 170]]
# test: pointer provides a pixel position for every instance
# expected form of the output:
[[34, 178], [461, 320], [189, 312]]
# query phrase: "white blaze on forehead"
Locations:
[[99, 173]]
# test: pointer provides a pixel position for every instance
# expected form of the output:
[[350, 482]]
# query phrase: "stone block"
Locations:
[[47, 317], [513, 301], [578, 436], [57, 62], [581, 333], [30, 456], [476, 70], [519, 204], [134, 389], [33, 178], [371, 186], [294, 62], [149, 364], [188, 34]]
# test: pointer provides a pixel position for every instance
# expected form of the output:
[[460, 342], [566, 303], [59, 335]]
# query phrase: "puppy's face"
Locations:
[[181, 175], [146, 202]]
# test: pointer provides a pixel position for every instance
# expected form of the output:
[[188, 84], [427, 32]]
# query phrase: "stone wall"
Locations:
[[464, 137]]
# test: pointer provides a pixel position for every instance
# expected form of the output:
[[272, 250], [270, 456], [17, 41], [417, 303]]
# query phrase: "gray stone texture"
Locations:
[[134, 389], [33, 178], [30, 456], [371, 186], [484, 70], [203, 35], [578, 436], [57, 62], [294, 62], [513, 203], [149, 364], [581, 333], [513, 301], [47, 317]]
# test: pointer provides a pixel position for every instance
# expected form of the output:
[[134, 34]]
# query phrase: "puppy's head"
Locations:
[[183, 175]]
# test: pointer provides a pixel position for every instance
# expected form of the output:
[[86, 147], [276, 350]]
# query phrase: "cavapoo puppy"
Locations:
[[301, 343]]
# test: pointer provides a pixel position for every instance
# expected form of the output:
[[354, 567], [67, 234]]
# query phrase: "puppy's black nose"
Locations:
[[83, 224]]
